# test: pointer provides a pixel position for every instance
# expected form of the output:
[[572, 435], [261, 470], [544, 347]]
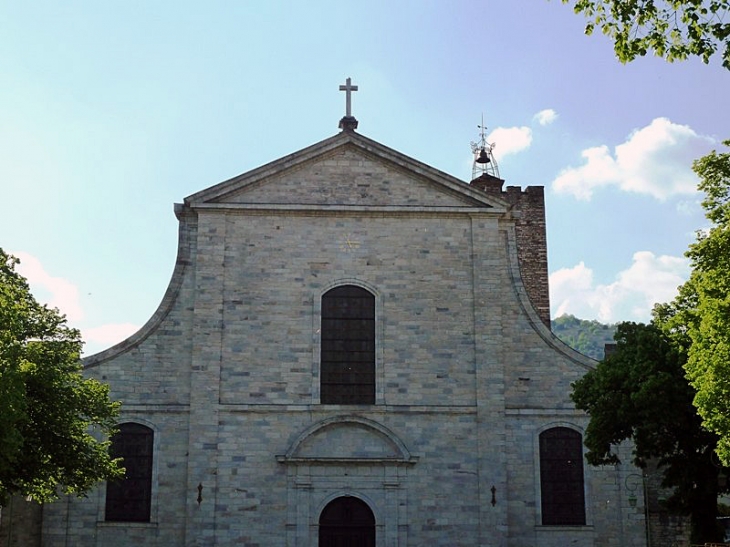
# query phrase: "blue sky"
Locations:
[[110, 112]]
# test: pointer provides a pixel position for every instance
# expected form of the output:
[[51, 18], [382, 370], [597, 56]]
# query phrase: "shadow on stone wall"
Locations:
[[20, 523]]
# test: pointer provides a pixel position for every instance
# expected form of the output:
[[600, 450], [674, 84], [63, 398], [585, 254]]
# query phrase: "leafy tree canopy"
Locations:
[[50, 416], [667, 386], [704, 302], [673, 29], [640, 393]]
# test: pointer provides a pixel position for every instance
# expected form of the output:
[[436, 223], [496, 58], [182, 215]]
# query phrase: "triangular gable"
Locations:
[[347, 169]]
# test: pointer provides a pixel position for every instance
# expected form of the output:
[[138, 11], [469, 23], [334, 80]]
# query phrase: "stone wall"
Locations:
[[665, 527], [227, 371], [529, 211], [20, 523]]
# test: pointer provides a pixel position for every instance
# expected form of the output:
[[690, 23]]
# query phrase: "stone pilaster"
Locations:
[[205, 381], [488, 250]]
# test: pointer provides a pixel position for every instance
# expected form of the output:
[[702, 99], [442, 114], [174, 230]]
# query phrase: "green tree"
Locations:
[[51, 418], [673, 29], [704, 302], [640, 393]]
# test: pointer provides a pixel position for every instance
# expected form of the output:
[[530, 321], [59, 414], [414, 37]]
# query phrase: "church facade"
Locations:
[[354, 349]]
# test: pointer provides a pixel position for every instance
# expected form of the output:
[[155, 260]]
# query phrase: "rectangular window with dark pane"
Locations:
[[129, 499], [561, 477], [347, 362]]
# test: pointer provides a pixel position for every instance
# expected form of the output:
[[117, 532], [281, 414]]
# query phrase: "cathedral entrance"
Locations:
[[347, 522]]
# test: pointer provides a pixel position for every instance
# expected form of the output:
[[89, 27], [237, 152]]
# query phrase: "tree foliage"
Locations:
[[667, 386], [640, 393], [51, 418], [673, 29], [704, 302]]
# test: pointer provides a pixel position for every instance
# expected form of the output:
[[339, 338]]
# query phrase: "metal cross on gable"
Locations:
[[348, 88]]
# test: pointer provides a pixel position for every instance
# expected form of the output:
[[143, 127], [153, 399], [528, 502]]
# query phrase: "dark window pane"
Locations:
[[348, 346], [561, 477], [129, 499]]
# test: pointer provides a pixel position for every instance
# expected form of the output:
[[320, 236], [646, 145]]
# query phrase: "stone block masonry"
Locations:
[[529, 212]]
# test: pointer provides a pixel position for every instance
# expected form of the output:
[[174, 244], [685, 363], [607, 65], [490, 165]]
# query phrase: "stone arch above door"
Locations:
[[346, 456], [347, 439]]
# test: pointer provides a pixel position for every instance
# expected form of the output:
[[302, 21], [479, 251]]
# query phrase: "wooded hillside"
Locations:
[[587, 337]]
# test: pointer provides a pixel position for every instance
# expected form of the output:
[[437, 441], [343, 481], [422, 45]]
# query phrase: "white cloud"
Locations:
[[510, 140], [689, 207], [655, 160], [56, 292], [546, 117], [60, 293], [650, 279], [108, 335]]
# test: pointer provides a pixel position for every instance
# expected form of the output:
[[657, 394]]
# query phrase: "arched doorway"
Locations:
[[347, 522]]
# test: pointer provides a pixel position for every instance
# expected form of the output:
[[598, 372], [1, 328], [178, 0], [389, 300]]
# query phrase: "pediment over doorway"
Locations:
[[347, 439]]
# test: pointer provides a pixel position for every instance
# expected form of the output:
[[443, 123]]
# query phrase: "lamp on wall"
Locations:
[[632, 499], [631, 482]]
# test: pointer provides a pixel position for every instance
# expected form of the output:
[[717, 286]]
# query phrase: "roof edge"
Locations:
[[529, 310], [344, 138], [182, 264]]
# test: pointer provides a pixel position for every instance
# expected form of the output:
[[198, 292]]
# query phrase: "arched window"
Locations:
[[347, 522], [561, 477], [129, 499], [347, 365]]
